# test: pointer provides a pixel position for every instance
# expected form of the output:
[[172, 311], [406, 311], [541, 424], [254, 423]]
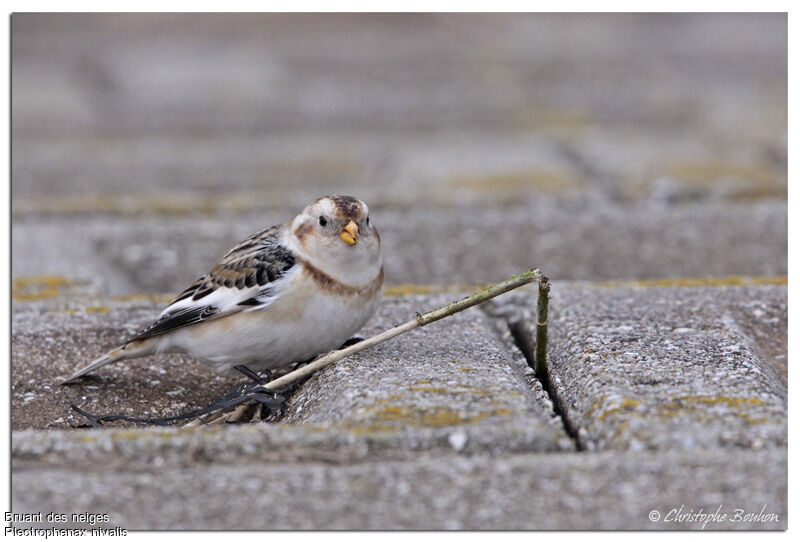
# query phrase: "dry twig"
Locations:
[[420, 320]]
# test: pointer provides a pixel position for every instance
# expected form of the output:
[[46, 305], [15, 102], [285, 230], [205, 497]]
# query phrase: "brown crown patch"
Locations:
[[347, 207]]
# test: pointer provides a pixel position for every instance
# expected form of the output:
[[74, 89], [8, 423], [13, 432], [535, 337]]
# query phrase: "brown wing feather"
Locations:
[[253, 264]]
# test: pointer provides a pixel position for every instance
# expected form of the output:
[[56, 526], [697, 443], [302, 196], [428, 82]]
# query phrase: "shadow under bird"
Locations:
[[283, 295]]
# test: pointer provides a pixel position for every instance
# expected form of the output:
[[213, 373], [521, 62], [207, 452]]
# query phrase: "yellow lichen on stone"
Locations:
[[138, 434], [392, 418], [731, 402], [696, 405], [422, 385], [621, 405], [750, 420], [153, 298], [731, 280], [400, 290], [753, 180], [566, 123], [39, 287], [516, 182], [431, 389]]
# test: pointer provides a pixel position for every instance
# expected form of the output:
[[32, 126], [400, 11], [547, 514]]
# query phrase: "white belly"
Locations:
[[295, 327]]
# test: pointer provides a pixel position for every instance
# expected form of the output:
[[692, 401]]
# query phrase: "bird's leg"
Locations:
[[350, 342], [303, 362], [258, 380], [255, 377], [274, 402], [262, 396], [250, 374]]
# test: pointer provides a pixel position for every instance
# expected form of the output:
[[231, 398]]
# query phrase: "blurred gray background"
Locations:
[[594, 146]]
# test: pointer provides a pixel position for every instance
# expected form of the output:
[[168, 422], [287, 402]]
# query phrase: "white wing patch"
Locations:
[[249, 277], [223, 301]]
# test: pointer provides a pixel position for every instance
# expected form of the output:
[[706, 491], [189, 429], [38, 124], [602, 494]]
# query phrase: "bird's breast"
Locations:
[[306, 319]]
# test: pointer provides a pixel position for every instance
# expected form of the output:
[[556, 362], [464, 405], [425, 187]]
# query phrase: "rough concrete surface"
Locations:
[[423, 412], [454, 375], [420, 386], [48, 345], [427, 244], [639, 160], [657, 368], [623, 146], [608, 490]]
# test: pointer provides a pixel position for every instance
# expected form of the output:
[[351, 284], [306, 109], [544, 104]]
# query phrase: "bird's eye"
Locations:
[[367, 221], [323, 221]]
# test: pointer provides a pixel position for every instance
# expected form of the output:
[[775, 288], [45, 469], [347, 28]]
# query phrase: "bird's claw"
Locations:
[[274, 402]]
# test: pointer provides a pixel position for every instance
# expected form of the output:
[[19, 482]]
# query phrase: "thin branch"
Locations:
[[540, 355], [421, 320]]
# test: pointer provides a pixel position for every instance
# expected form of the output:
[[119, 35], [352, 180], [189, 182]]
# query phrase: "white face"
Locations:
[[336, 234]]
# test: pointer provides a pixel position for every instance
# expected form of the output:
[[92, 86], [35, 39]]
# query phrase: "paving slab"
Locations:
[[593, 240], [620, 151], [454, 378], [95, 75], [429, 386], [668, 367], [370, 442], [637, 164], [49, 340], [603, 490], [598, 147]]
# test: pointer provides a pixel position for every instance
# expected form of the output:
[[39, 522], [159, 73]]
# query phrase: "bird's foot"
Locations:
[[244, 396], [268, 403]]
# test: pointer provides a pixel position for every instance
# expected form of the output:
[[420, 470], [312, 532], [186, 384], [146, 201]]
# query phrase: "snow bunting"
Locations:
[[281, 296]]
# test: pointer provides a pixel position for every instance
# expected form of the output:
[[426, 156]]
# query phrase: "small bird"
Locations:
[[283, 295]]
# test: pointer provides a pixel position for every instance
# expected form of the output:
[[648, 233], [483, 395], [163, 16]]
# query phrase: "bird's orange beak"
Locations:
[[350, 233]]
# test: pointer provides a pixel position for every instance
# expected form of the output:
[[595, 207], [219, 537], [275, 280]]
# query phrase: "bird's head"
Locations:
[[336, 234]]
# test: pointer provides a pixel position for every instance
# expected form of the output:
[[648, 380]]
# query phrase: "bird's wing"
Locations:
[[247, 278]]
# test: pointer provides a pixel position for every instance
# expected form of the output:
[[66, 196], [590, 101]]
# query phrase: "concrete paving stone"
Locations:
[[267, 119], [597, 147], [143, 448], [453, 378], [671, 167], [589, 240], [51, 340], [83, 75], [157, 175], [427, 388], [764, 321], [668, 368], [603, 490]]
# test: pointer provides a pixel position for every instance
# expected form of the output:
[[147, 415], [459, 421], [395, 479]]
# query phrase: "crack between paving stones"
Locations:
[[523, 337]]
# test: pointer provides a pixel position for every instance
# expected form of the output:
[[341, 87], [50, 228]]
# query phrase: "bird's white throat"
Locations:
[[355, 266]]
